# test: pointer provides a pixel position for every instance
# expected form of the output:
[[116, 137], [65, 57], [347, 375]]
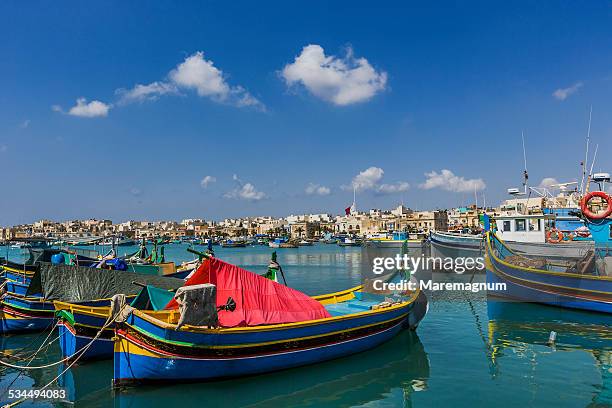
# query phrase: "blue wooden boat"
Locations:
[[20, 314], [80, 323], [582, 285], [25, 308], [149, 348]]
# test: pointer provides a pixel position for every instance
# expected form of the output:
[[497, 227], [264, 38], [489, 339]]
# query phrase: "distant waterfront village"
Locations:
[[308, 226]]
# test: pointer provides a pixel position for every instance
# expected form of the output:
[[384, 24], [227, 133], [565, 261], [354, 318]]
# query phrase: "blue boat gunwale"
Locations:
[[534, 270], [335, 297]]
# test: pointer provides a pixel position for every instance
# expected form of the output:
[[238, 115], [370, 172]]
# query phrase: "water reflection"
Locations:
[[398, 366], [521, 330]]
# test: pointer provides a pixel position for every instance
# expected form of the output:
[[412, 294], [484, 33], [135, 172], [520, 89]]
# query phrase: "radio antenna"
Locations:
[[586, 154]]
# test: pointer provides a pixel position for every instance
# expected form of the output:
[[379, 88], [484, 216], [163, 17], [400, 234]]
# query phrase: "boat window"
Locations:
[[534, 225], [520, 225], [506, 226]]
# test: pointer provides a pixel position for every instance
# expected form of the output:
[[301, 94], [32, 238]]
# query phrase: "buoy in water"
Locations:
[[551, 338]]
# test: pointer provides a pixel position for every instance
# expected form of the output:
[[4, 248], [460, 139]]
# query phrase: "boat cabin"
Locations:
[[522, 227]]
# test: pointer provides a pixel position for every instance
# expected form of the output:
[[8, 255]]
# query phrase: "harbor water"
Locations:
[[469, 351]]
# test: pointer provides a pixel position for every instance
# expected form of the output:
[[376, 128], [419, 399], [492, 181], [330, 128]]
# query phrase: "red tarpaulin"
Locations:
[[258, 300]]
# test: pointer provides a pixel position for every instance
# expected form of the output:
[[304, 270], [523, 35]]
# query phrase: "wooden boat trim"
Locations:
[[150, 350], [27, 274], [540, 271], [150, 317], [267, 343]]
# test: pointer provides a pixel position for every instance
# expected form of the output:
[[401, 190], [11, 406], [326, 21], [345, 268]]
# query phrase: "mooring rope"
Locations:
[[19, 352], [78, 355], [82, 350], [33, 356]]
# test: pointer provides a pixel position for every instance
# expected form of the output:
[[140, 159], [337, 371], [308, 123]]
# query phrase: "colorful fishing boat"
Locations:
[[21, 314], [583, 284], [553, 234], [29, 307], [255, 336], [79, 325], [396, 240], [86, 331], [350, 242], [228, 243]]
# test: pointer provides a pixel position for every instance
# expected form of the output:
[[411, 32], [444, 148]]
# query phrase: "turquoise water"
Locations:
[[467, 352]]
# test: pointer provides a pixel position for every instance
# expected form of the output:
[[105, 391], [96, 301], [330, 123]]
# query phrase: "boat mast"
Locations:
[[588, 183], [586, 154], [525, 174]]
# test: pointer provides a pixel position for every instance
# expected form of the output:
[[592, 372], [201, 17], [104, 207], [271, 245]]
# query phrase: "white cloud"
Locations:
[[141, 93], [367, 179], [312, 189], [398, 187], [341, 81], [86, 109], [246, 192], [25, 124], [447, 180], [201, 75], [207, 180], [562, 94], [548, 181]]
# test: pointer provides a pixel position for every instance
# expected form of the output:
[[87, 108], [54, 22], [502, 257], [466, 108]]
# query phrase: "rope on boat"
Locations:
[[110, 320], [80, 352]]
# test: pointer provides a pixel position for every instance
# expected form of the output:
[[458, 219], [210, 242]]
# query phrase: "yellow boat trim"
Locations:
[[160, 318], [19, 271], [103, 311], [540, 271], [151, 318], [236, 346]]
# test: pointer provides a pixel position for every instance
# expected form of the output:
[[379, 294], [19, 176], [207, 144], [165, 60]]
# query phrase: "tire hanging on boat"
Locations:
[[550, 237]]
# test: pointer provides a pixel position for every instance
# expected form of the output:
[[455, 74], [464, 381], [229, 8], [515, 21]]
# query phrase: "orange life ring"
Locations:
[[549, 236], [590, 214]]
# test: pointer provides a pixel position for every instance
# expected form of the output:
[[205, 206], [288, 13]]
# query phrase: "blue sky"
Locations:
[[378, 97]]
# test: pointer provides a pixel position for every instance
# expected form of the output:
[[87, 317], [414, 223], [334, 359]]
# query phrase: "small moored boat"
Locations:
[[255, 336]]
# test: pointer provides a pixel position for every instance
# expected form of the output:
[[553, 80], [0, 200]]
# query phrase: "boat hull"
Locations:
[[388, 243], [72, 343], [140, 361], [22, 315], [560, 251], [456, 241], [562, 289]]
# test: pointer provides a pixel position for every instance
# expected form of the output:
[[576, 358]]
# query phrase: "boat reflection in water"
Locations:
[[399, 366], [523, 330]]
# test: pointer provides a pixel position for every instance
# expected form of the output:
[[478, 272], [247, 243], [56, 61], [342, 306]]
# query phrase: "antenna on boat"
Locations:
[[590, 175], [525, 174], [586, 154]]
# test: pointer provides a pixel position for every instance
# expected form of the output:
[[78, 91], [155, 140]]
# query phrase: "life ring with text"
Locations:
[[554, 236], [584, 207]]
